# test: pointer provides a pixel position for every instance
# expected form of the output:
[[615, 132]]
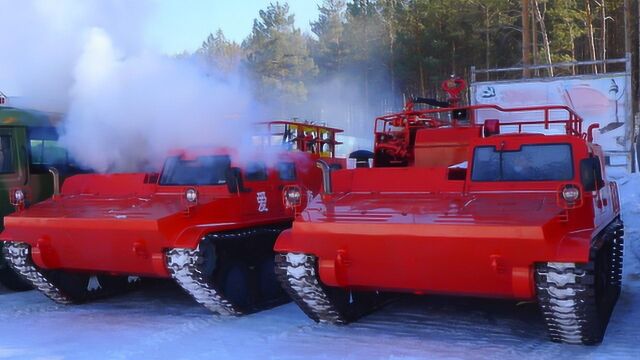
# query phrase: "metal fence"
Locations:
[[581, 70]]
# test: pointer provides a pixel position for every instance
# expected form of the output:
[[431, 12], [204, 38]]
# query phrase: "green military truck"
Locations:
[[28, 150]]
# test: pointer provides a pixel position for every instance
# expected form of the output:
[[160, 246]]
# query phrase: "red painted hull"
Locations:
[[436, 244], [116, 234], [123, 224]]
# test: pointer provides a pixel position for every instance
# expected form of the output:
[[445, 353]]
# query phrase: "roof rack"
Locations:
[[303, 136], [465, 116]]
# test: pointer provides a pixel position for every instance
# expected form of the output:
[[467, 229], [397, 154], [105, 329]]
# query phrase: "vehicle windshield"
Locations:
[[204, 170], [541, 162]]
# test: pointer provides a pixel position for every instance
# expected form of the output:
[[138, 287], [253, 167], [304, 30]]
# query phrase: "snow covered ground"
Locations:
[[158, 322]]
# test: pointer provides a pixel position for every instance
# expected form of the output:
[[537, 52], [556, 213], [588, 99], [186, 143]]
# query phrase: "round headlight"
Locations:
[[191, 195], [18, 195], [292, 196], [570, 193]]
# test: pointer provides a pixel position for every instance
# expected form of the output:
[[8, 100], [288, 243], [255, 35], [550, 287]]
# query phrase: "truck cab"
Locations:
[[28, 149]]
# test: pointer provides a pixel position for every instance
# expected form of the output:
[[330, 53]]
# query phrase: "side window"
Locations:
[[6, 158], [256, 171], [44, 147], [47, 152], [203, 170], [599, 177], [287, 171], [591, 173]]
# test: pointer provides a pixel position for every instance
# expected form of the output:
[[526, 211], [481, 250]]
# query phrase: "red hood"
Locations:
[[87, 206], [521, 209]]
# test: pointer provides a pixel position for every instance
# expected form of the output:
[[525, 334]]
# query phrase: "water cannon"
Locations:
[[453, 87]]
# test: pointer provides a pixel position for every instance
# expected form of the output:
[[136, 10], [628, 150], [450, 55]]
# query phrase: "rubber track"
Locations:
[[566, 294], [18, 255], [184, 266], [297, 274]]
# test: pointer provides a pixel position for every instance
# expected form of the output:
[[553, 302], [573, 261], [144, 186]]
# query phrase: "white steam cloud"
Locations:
[[126, 106], [41, 40], [127, 112]]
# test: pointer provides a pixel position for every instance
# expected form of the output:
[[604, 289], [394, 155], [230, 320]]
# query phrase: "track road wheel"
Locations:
[[9, 278], [577, 299], [63, 287], [299, 277], [81, 287], [235, 284], [229, 275], [197, 272], [353, 304], [229, 272], [269, 286]]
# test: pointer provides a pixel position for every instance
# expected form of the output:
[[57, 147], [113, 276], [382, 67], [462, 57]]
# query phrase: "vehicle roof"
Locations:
[[514, 140], [238, 155], [10, 116]]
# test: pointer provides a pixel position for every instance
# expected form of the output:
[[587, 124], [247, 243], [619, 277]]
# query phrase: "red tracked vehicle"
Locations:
[[470, 201], [208, 220]]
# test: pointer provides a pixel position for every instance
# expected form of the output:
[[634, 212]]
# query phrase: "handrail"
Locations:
[[290, 122], [573, 121], [312, 135]]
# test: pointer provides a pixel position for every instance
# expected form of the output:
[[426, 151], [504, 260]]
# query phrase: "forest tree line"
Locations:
[[382, 49]]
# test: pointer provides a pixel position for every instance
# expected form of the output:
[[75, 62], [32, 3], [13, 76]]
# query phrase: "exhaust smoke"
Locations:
[[126, 105]]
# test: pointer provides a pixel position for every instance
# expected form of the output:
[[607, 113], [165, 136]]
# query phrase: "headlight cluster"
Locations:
[[570, 193], [191, 195], [292, 196]]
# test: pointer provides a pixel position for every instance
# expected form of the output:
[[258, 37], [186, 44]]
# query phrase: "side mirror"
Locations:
[[235, 184], [591, 174]]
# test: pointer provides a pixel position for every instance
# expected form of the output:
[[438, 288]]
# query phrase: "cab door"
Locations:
[[603, 200], [13, 165], [256, 199]]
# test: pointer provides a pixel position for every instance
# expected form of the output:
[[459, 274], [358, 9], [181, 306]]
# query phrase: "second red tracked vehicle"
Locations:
[[208, 220], [469, 201]]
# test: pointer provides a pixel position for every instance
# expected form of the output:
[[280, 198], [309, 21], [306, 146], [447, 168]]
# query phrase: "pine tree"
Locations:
[[220, 54], [329, 50], [278, 56]]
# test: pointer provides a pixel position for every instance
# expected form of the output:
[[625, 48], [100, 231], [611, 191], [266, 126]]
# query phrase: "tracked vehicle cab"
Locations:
[[32, 165], [208, 220]]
